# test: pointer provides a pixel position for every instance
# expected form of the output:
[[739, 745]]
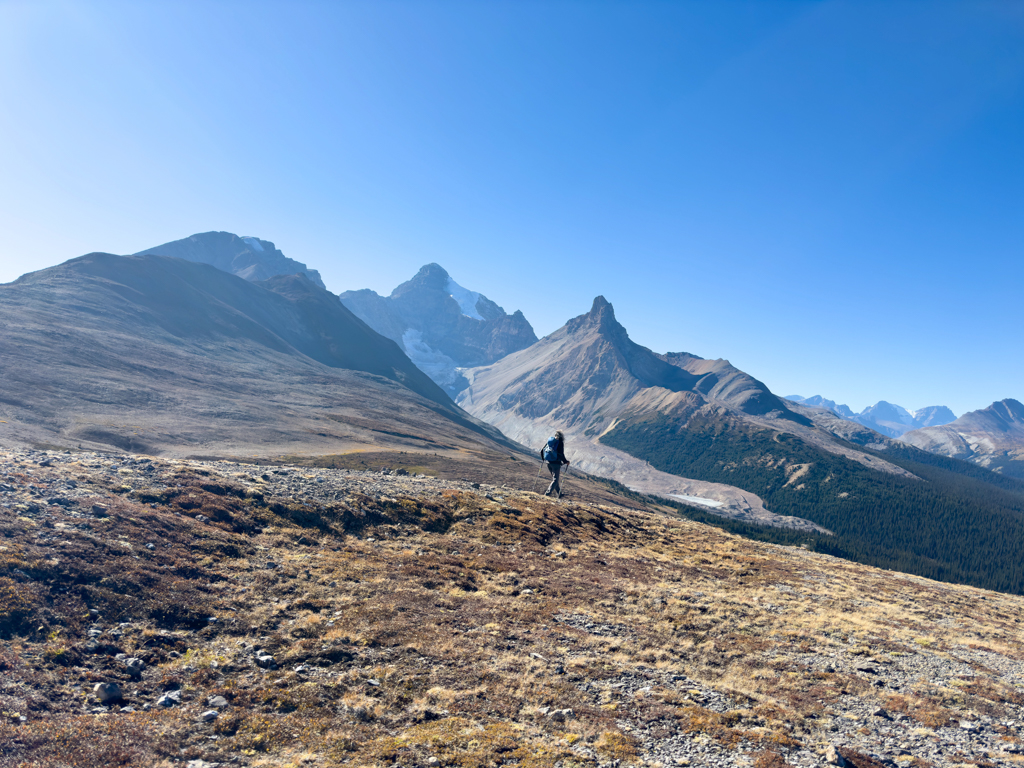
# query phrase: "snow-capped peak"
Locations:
[[253, 243], [466, 299]]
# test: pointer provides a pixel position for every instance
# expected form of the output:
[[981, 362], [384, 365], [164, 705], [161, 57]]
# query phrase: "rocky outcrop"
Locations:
[[992, 437], [442, 326], [248, 257]]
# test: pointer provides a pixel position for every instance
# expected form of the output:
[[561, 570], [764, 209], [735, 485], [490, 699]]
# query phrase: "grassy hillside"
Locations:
[[301, 617], [957, 523]]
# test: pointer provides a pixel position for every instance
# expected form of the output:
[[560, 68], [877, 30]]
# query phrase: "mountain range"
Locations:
[[442, 326], [992, 437], [232, 349], [639, 416], [883, 417], [156, 354]]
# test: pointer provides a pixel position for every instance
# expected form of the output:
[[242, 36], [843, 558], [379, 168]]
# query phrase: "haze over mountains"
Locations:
[[442, 326], [883, 417]]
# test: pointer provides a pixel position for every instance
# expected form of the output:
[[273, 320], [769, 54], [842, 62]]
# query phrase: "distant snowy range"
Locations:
[[883, 417]]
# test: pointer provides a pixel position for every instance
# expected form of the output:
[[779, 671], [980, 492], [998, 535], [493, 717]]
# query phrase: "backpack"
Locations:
[[551, 451]]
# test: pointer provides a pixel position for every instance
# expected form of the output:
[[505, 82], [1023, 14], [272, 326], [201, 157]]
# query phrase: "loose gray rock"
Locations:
[[266, 661], [217, 702], [560, 715], [106, 692], [832, 756], [209, 715], [134, 666], [169, 699]]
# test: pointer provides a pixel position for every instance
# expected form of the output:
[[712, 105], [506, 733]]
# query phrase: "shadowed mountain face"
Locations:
[[248, 257], [158, 354], [992, 437], [442, 326]]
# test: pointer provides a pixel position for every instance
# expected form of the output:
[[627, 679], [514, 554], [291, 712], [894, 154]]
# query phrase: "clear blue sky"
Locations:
[[829, 194]]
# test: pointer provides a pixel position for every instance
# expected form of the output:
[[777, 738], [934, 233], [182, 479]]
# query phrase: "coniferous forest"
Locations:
[[953, 521]]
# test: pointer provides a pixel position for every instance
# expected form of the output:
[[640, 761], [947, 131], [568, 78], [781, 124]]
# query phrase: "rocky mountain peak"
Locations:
[[601, 317], [247, 257], [1010, 410], [431, 276], [441, 325]]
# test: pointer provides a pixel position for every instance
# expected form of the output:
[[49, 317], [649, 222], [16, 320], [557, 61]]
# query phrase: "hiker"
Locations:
[[553, 454]]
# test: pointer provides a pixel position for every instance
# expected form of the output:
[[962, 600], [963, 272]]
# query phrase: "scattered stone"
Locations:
[[832, 756], [560, 715], [202, 518], [151, 546], [209, 715], [217, 702], [134, 666], [432, 761], [169, 699], [968, 726], [99, 510], [374, 683], [266, 661]]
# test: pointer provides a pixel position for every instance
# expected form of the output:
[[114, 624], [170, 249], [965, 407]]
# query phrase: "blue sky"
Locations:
[[829, 194]]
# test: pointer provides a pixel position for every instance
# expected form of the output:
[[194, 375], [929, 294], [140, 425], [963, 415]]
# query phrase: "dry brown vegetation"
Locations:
[[440, 624]]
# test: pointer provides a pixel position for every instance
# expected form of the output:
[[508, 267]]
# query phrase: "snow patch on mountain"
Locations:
[[437, 365], [253, 242], [466, 299]]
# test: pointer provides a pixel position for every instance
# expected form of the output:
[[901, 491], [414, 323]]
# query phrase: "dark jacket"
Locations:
[[561, 453]]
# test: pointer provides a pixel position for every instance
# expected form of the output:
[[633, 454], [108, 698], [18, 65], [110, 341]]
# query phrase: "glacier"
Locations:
[[466, 299]]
